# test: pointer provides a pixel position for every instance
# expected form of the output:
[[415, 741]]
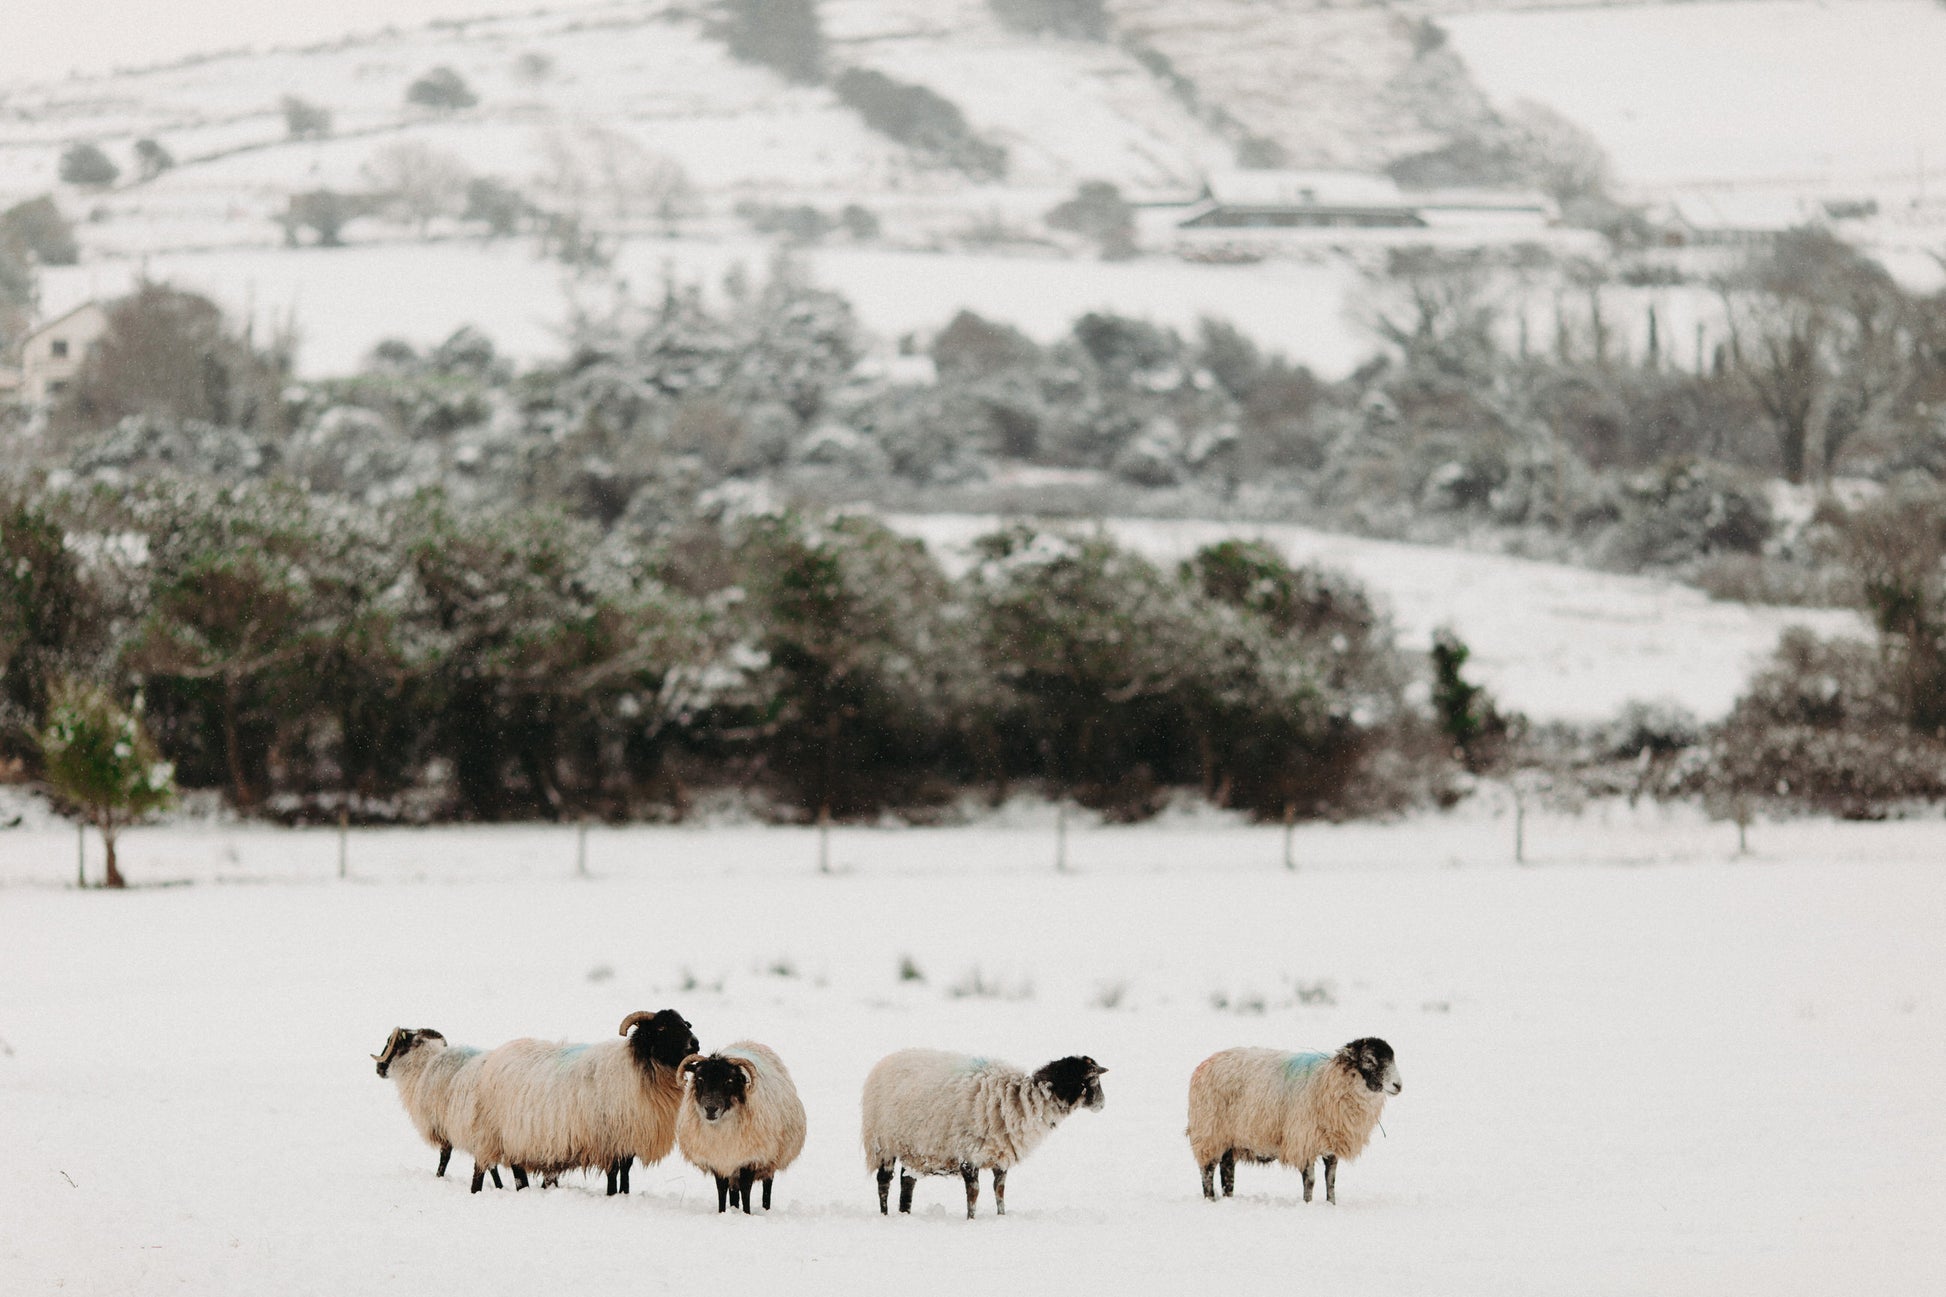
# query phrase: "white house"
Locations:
[[51, 355], [1283, 200]]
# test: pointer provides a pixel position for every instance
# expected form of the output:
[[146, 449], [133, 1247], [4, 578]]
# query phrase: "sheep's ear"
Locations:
[[748, 1068]]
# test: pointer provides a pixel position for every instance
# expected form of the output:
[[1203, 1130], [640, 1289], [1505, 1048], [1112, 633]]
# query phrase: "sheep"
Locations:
[[936, 1113], [1272, 1106], [437, 1084], [740, 1120], [548, 1107]]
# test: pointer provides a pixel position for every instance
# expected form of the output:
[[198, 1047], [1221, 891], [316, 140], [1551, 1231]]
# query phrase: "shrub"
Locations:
[[443, 89], [37, 228], [151, 159], [1822, 726], [85, 164], [304, 120], [1098, 212], [920, 119], [781, 34], [1080, 19]]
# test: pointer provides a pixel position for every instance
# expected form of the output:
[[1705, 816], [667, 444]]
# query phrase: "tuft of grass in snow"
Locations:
[[690, 982], [909, 971], [976, 986], [782, 967], [1109, 995], [1318, 993], [601, 973]]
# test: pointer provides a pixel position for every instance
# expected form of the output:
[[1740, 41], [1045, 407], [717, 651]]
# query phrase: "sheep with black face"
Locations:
[[1268, 1105], [935, 1113], [438, 1085], [740, 1120], [548, 1107]]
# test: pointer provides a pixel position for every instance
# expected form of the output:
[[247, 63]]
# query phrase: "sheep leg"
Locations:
[[520, 1177], [1308, 1177], [445, 1153], [479, 1177], [767, 1180], [1229, 1164], [1000, 1191], [884, 1190], [906, 1185], [1331, 1178], [494, 1171], [746, 1181], [552, 1180], [972, 1177], [611, 1181], [722, 1195], [1209, 1181], [627, 1163]]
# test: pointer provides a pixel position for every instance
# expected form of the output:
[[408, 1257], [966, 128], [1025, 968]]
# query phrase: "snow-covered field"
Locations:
[[1556, 642], [345, 300], [1686, 1075]]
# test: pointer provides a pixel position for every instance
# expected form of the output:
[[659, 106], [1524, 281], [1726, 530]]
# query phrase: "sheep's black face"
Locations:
[[716, 1085], [401, 1042], [1074, 1081], [665, 1039], [1372, 1059]]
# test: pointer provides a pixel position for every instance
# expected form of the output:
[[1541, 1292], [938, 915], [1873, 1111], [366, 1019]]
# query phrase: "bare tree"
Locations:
[[419, 182], [1824, 339]]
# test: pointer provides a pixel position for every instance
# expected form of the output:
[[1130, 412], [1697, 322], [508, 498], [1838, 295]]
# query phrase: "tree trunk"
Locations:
[[1290, 832], [113, 878], [232, 756]]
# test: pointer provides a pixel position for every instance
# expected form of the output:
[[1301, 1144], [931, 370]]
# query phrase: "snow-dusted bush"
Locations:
[[1821, 726]]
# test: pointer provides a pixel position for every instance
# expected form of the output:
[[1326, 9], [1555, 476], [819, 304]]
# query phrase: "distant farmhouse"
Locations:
[[1744, 218], [1243, 214], [51, 355]]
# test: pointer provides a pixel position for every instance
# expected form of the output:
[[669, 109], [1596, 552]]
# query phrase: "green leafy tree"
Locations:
[[1465, 711], [45, 608], [855, 623], [99, 758]]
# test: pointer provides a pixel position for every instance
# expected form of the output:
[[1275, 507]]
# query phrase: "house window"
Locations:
[[58, 348]]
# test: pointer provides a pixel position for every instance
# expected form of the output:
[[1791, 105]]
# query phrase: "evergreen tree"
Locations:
[[99, 758]]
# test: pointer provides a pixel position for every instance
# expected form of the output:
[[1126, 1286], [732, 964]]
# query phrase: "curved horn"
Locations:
[[689, 1065], [748, 1066], [391, 1046], [632, 1020]]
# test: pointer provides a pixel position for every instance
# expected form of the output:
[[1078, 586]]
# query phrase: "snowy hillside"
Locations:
[[1555, 642], [1669, 1078], [1734, 91]]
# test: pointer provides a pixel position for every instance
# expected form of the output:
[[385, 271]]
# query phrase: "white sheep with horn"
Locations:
[[936, 1113], [1270, 1105], [741, 1120], [438, 1085], [547, 1107]]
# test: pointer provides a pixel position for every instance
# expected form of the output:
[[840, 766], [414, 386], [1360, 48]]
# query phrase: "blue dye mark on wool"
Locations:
[[463, 1051], [975, 1064], [572, 1051], [1299, 1066]]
